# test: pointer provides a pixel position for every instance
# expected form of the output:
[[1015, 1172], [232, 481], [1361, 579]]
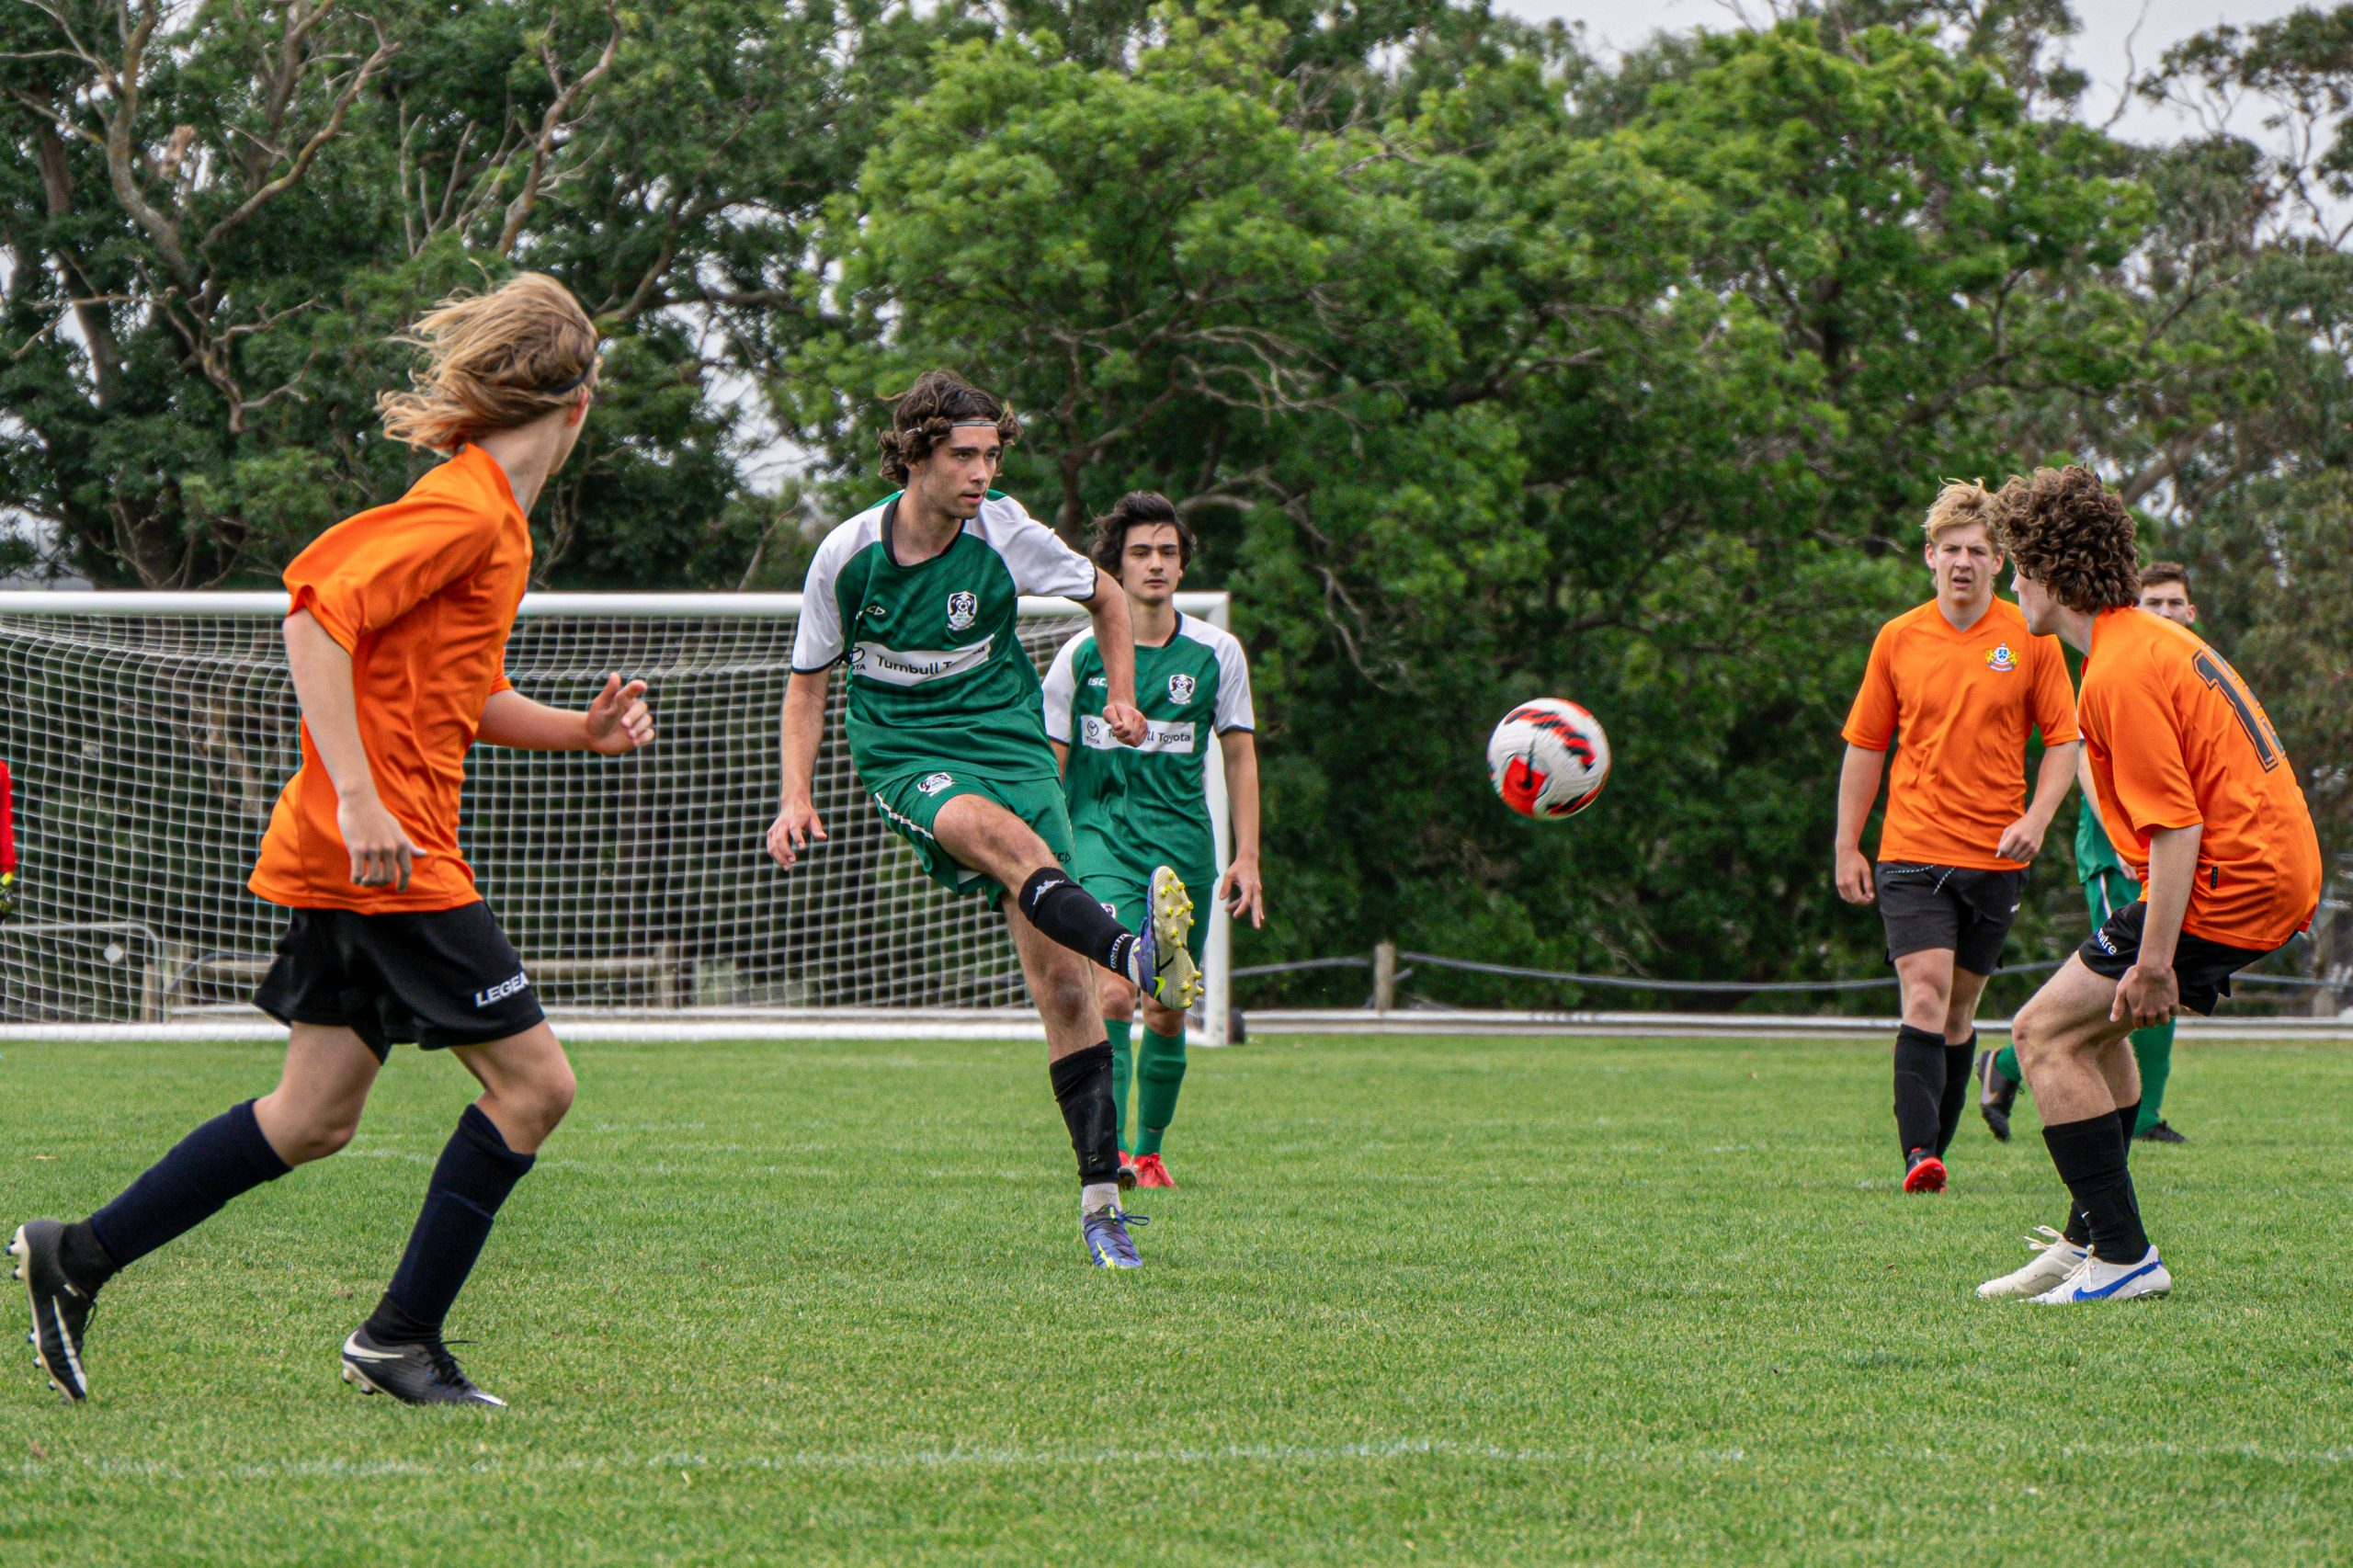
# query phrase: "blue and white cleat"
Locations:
[[1104, 1232], [2095, 1281], [2055, 1261], [1165, 967]]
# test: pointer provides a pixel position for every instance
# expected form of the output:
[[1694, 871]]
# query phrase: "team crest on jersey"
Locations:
[[935, 784], [1180, 689], [2001, 661], [963, 610]]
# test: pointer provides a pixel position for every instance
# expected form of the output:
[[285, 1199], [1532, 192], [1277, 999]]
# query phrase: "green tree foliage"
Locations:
[[1485, 369]]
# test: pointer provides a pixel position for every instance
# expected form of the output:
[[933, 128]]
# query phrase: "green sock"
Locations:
[[1160, 1072], [2153, 1048], [1116, 1031], [2006, 1062]]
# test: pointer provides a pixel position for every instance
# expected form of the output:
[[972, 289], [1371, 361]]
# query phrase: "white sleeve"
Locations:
[[817, 641], [1040, 563], [1234, 710], [1062, 689]]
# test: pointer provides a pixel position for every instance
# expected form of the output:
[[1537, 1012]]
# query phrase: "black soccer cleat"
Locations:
[[1997, 1092], [61, 1311], [414, 1374], [2159, 1132]]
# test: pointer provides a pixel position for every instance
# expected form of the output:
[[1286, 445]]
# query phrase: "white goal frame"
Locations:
[[707, 1024]]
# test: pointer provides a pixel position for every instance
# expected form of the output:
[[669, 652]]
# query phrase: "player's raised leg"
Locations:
[[527, 1088], [311, 1113]]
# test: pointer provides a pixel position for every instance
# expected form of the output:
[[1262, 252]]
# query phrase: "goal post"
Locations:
[[149, 735]]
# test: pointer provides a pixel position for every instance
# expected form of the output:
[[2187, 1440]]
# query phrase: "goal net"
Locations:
[[149, 734]]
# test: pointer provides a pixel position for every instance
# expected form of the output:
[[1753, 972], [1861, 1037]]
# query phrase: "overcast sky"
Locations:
[[2099, 51]]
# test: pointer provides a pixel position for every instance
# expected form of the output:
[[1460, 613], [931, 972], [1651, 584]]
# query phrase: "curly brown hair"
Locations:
[[2073, 535], [925, 411], [1137, 508]]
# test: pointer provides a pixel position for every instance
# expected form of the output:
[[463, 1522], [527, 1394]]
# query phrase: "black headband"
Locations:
[[572, 385]]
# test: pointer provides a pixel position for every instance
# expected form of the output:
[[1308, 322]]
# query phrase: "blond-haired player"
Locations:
[[396, 635], [1957, 685]]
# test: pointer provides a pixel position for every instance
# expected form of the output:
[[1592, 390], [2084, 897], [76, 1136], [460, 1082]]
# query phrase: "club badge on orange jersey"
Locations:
[[2000, 660]]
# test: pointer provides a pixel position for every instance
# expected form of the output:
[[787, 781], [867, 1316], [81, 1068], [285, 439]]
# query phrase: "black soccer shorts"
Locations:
[[440, 978], [2201, 968], [1969, 911]]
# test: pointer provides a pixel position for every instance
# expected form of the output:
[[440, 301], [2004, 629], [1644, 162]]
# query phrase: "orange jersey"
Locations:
[[2174, 738], [421, 595], [1958, 705]]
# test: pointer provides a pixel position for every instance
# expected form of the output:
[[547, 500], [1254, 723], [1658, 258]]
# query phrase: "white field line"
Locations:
[[1265, 1455], [1276, 1455]]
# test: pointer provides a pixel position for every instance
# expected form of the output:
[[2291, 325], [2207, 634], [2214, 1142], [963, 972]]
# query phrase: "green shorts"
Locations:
[[911, 801], [1128, 895]]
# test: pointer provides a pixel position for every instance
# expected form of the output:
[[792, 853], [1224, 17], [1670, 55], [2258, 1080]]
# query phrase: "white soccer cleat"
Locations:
[[1165, 969], [2095, 1281], [2055, 1259]]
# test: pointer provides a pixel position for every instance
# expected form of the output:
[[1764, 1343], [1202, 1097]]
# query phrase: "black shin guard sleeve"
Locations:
[[226, 1156], [1083, 1085], [475, 1173], [1954, 1103], [1066, 914], [2090, 1157], [1919, 1087]]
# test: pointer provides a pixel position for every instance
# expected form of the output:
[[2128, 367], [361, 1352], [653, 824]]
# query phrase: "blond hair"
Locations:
[[494, 361], [1960, 503]]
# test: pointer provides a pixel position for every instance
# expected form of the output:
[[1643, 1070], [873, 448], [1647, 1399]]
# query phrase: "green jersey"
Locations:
[[1150, 797], [2095, 854], [937, 670]]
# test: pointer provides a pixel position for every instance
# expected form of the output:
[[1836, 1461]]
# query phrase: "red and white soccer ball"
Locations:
[[1548, 758]]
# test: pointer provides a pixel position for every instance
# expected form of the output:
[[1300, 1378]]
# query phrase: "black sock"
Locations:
[[476, 1172], [1066, 914], [1919, 1087], [226, 1156], [2128, 1117], [2078, 1229], [2090, 1157], [1083, 1084], [1954, 1103]]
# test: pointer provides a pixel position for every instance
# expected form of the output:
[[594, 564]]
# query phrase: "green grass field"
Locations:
[[1419, 1301]]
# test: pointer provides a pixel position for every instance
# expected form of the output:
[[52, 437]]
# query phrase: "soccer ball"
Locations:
[[1548, 758]]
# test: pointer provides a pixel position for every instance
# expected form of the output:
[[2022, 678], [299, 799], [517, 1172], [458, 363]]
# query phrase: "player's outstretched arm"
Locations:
[[1242, 890], [618, 721], [797, 822], [382, 853], [1115, 644], [2022, 840], [1859, 778], [2150, 992]]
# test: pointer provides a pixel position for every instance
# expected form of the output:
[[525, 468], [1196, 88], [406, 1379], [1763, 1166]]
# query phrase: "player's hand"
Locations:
[[382, 855], [1243, 892], [796, 824], [1126, 722], [620, 721], [1854, 877], [2020, 841], [2147, 995]]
